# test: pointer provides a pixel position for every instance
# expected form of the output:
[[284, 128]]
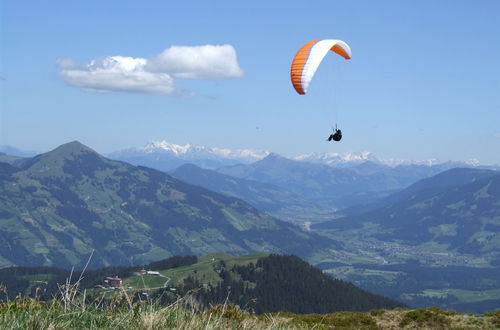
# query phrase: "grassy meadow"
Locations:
[[32, 314], [203, 270]]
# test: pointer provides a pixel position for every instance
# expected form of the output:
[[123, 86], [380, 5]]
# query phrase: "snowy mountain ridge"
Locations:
[[162, 150], [192, 152], [352, 158], [337, 158]]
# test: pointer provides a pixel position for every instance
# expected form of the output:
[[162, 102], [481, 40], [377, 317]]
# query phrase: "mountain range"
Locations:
[[58, 207], [266, 197], [10, 159], [459, 208], [327, 181], [13, 151], [307, 188], [166, 156], [332, 187]]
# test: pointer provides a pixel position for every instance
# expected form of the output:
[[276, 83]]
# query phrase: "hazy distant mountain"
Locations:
[[264, 196], [355, 158], [12, 151], [165, 156], [59, 206], [334, 186], [338, 158], [459, 208], [4, 158], [330, 180]]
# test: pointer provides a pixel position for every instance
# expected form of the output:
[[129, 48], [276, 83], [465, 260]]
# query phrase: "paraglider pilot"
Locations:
[[336, 136]]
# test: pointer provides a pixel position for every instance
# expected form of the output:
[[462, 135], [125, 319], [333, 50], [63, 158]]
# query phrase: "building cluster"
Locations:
[[116, 283], [146, 272], [113, 283]]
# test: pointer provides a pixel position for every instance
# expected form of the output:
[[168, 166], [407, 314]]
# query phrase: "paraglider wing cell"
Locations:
[[309, 57]]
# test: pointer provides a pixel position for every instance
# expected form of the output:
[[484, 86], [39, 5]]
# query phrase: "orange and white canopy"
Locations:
[[308, 58]]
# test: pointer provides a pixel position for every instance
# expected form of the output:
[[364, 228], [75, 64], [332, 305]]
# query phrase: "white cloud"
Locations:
[[497, 135], [200, 62], [154, 76], [116, 74]]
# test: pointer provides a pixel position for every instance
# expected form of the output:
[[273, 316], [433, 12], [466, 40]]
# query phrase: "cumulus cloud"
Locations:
[[200, 62], [115, 74], [155, 75]]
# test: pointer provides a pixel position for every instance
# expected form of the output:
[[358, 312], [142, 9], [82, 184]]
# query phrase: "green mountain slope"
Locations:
[[264, 196], [435, 243], [60, 206], [459, 208]]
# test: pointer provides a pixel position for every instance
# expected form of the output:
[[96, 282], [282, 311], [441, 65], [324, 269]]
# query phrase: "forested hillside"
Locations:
[[286, 284], [257, 283]]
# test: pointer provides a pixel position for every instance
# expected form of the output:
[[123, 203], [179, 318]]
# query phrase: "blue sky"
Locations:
[[423, 82]]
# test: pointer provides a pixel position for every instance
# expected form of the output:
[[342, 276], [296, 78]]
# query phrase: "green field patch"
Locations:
[[364, 260], [424, 204], [145, 282], [5, 263], [482, 193], [206, 270], [435, 247], [342, 273], [39, 277], [80, 246], [387, 275], [464, 296], [475, 296], [457, 205], [444, 230], [436, 293], [348, 272], [235, 219], [37, 280], [155, 253], [483, 237], [260, 246]]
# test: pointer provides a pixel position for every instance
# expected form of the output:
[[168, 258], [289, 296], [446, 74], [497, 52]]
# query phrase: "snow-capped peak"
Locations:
[[188, 150], [472, 162], [336, 158], [353, 158], [191, 152], [393, 162], [155, 146]]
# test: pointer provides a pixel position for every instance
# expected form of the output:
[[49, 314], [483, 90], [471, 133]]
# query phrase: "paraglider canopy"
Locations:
[[309, 57]]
